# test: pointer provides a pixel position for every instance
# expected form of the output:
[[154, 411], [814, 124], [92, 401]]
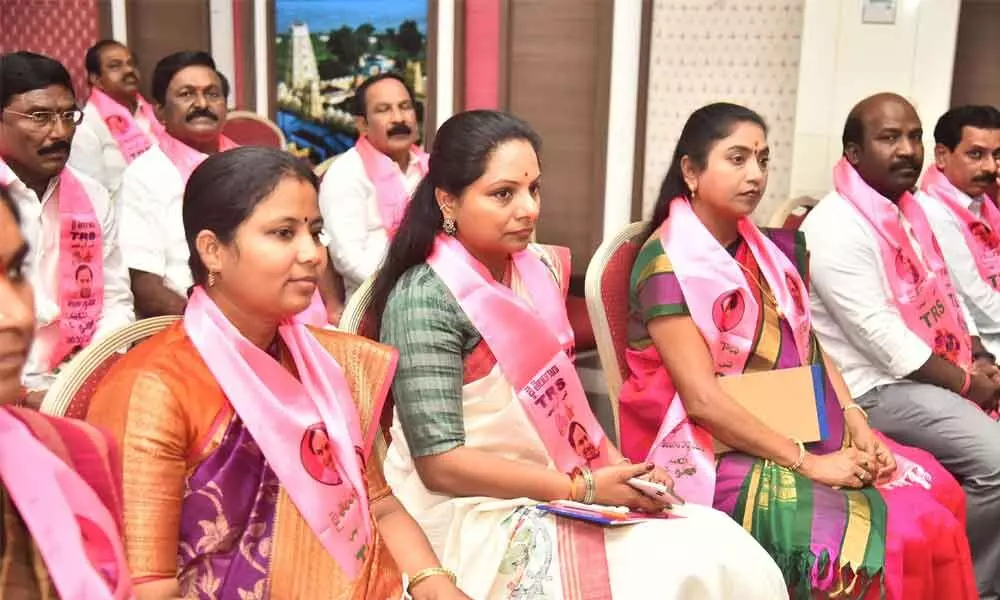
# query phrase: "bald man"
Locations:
[[885, 310]]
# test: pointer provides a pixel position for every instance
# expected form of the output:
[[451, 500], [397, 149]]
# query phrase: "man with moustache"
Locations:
[[885, 310], [67, 218], [190, 99], [365, 191], [954, 193], [118, 123]]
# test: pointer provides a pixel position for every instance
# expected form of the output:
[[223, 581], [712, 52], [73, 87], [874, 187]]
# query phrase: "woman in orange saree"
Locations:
[[60, 496], [250, 441]]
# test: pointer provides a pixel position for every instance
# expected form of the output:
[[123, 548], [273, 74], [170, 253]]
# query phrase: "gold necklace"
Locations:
[[764, 291]]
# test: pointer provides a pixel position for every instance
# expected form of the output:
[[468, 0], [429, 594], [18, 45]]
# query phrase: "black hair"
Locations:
[[7, 201], [82, 268], [172, 64], [360, 109], [92, 60], [462, 147], [225, 189], [22, 72], [573, 426], [703, 129], [948, 130]]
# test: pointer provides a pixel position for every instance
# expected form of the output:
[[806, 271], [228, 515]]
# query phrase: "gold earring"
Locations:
[[211, 278], [449, 225]]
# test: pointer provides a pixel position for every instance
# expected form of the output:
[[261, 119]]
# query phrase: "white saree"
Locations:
[[505, 549]]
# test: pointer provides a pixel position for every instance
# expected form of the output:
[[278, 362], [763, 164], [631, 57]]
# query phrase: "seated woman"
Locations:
[[60, 507], [852, 514], [248, 468], [491, 418]]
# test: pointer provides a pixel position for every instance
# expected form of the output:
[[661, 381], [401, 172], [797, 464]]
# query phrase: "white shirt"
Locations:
[[854, 316], [983, 301], [95, 151], [350, 209], [152, 238], [40, 228]]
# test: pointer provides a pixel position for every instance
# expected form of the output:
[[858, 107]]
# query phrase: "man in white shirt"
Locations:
[[63, 215], [118, 123], [965, 220], [910, 393], [190, 100], [371, 183]]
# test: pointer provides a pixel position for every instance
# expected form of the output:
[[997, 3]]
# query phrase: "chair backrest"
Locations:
[[607, 292], [356, 318], [321, 168], [250, 129], [70, 395], [791, 214]]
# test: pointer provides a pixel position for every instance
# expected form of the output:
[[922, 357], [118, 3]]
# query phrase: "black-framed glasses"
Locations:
[[48, 118]]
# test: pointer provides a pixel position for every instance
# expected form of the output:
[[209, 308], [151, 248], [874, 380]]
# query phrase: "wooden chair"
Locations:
[[791, 214], [250, 129], [607, 291], [70, 395], [321, 168], [355, 318]]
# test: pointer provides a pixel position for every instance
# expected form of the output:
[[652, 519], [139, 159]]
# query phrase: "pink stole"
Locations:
[[75, 533], [530, 343], [131, 139], [725, 309], [925, 297], [186, 158], [284, 414], [981, 234], [81, 244], [384, 173]]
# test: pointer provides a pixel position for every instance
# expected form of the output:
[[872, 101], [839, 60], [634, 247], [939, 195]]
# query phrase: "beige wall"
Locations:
[[844, 60], [737, 51]]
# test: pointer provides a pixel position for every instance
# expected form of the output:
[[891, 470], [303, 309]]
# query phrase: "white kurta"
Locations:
[[497, 552]]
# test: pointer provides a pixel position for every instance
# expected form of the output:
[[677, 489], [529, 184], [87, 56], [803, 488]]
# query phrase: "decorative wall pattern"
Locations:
[[703, 51], [62, 29]]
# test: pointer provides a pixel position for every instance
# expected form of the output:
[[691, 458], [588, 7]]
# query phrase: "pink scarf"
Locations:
[[186, 158], [75, 533], [385, 175], [131, 139], [81, 246], [924, 296], [307, 428], [980, 233], [726, 311], [530, 343]]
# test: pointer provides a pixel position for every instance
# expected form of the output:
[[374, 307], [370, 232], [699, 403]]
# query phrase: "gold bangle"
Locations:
[[572, 488], [802, 456], [590, 493], [858, 408], [428, 572]]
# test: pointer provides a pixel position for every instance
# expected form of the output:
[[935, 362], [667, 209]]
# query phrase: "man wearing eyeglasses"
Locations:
[[118, 123], [66, 217], [190, 99]]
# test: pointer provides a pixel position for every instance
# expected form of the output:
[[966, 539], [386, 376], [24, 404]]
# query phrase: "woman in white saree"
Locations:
[[490, 418]]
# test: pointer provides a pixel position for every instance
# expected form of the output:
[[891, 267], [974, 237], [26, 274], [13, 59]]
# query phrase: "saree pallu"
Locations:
[[506, 549], [88, 451], [904, 542], [227, 528]]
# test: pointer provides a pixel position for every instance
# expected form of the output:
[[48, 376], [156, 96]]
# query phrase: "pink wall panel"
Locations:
[[62, 29], [482, 54]]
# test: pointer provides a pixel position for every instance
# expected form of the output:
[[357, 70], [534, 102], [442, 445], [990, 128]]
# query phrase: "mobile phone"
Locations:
[[655, 490]]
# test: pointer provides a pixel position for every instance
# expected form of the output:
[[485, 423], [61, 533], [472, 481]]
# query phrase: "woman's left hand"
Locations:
[[438, 588], [865, 440], [659, 475]]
